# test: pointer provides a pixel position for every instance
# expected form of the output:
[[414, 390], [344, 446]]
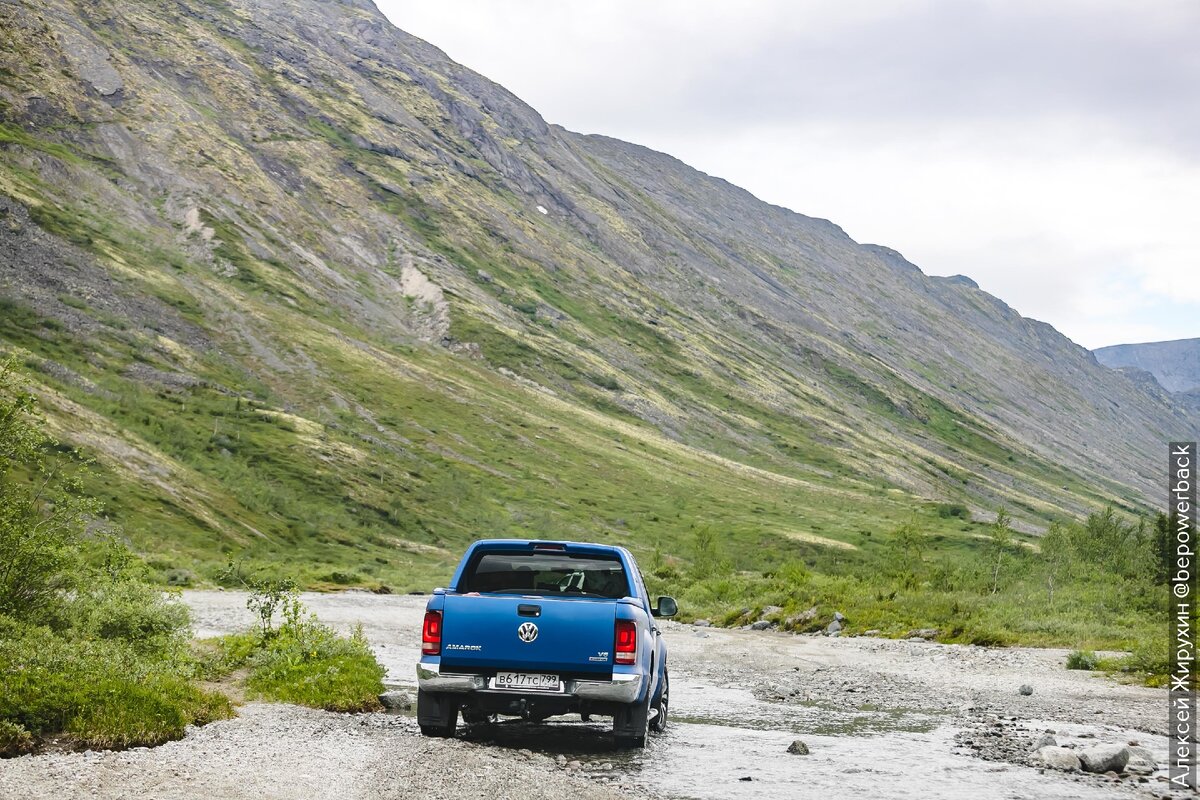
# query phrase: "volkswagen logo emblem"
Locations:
[[527, 632]]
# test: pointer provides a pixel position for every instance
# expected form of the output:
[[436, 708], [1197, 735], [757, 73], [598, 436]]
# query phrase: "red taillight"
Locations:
[[431, 633], [625, 648]]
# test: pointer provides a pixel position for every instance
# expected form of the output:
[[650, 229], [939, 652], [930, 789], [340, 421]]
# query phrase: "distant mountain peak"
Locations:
[[1174, 364]]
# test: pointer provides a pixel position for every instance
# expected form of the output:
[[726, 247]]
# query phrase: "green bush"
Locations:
[[1149, 662], [135, 613], [1082, 659], [101, 693], [301, 661], [311, 665], [14, 739], [951, 510]]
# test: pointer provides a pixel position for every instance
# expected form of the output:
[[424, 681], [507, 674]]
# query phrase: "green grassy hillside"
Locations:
[[322, 301]]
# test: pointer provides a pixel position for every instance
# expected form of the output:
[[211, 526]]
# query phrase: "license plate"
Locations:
[[526, 681]]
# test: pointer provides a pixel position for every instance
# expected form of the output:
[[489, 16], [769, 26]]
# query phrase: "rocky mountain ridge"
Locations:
[[1174, 364]]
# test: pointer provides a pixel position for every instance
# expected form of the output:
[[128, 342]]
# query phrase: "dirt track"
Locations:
[[881, 719]]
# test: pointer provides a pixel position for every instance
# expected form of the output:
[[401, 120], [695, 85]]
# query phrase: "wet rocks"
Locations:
[[1025, 690], [1104, 758], [798, 748], [1059, 758], [1141, 761], [1045, 740]]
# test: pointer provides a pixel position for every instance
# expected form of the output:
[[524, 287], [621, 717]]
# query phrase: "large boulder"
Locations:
[[1059, 758], [1104, 758]]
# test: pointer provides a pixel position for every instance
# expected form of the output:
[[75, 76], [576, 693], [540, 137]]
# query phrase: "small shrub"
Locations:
[[606, 382], [309, 664], [137, 614], [303, 661], [14, 739], [179, 577], [1082, 659], [951, 510], [1149, 662]]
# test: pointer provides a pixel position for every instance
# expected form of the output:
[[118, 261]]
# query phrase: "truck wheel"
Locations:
[[437, 714], [630, 725], [659, 723]]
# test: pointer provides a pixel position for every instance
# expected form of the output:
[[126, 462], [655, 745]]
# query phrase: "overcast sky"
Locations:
[[1049, 149]]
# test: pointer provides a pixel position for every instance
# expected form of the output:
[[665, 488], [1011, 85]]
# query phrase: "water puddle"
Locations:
[[725, 744]]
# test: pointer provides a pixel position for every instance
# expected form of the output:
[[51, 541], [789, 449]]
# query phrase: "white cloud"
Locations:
[[1050, 151]]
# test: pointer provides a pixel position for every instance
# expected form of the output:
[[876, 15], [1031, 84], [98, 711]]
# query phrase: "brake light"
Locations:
[[431, 633], [625, 647]]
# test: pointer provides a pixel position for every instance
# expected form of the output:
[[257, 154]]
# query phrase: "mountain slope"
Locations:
[[309, 287], [1175, 365]]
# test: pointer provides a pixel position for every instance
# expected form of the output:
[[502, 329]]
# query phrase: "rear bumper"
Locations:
[[623, 688]]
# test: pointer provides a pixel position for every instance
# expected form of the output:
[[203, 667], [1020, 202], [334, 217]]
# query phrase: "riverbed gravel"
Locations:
[[880, 718]]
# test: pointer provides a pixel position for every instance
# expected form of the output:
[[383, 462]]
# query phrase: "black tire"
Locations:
[[659, 723], [437, 714], [630, 725]]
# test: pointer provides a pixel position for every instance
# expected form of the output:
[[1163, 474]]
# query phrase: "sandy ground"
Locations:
[[881, 718]]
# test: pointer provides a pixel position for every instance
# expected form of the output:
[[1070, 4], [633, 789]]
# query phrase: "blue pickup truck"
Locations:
[[536, 629]]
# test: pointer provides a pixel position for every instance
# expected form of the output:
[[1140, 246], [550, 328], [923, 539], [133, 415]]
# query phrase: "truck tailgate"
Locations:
[[483, 632]]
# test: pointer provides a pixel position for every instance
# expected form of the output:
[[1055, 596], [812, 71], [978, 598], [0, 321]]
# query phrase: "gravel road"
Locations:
[[881, 718]]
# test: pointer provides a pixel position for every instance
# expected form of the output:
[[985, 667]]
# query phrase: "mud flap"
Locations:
[[630, 724], [437, 714]]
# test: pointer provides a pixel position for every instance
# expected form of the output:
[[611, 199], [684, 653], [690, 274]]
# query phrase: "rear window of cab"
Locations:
[[546, 574]]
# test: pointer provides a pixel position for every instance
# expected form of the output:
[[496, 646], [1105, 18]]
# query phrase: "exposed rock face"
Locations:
[[88, 58], [1175, 364]]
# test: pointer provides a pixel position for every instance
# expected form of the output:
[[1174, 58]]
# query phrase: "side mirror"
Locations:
[[667, 607]]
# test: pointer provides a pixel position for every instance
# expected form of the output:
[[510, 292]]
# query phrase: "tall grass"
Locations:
[[1094, 584]]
